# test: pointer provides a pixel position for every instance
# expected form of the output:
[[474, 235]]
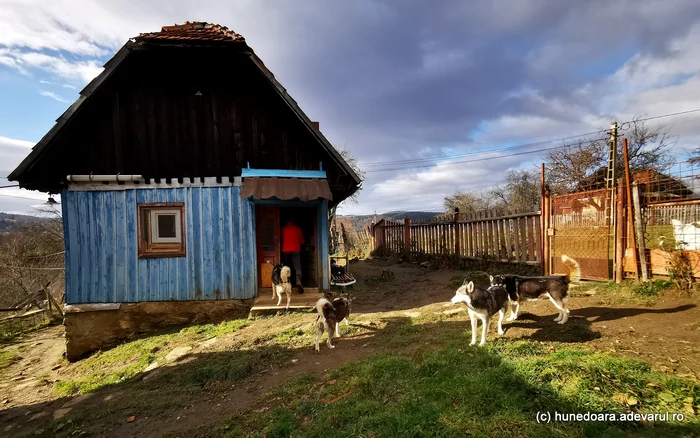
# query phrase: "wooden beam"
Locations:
[[638, 224], [620, 233]]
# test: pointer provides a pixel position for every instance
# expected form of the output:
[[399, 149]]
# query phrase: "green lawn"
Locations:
[[456, 391]]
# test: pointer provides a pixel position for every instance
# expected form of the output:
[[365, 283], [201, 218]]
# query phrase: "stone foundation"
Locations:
[[93, 327]]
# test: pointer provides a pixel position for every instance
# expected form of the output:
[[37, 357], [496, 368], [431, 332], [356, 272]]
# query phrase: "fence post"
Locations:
[[407, 235], [638, 224], [620, 232], [457, 236], [630, 212], [546, 218]]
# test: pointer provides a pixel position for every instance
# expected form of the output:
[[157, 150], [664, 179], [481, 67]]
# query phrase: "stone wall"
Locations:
[[92, 327]]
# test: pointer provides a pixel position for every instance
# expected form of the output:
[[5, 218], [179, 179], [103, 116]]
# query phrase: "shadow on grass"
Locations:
[[426, 382], [452, 390], [578, 328]]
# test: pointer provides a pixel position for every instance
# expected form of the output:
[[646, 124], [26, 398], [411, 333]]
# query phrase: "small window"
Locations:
[[161, 230]]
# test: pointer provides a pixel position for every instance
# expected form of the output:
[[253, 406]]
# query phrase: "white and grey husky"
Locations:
[[483, 304]]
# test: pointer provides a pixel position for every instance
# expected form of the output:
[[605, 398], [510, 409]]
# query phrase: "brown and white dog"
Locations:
[[330, 315], [281, 284], [555, 287]]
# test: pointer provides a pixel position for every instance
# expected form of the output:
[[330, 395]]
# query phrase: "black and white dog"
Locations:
[[483, 304], [556, 287], [281, 284], [330, 315]]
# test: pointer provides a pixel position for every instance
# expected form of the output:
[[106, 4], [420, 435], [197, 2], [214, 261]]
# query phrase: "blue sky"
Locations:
[[389, 80]]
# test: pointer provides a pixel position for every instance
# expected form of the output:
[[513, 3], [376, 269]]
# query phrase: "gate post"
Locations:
[[620, 232]]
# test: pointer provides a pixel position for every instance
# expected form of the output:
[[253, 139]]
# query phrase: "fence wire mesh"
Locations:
[[582, 231]]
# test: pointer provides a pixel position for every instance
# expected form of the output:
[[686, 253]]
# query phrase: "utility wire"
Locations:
[[7, 187], [500, 157], [508, 148], [621, 127]]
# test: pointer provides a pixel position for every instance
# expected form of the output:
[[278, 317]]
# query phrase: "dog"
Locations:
[[556, 287], [483, 304], [330, 315], [281, 284]]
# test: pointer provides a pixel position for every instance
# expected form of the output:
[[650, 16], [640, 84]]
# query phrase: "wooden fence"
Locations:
[[511, 238]]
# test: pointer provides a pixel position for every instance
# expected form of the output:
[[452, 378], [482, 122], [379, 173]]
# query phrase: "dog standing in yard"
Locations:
[[281, 284], [330, 314], [556, 287], [482, 305]]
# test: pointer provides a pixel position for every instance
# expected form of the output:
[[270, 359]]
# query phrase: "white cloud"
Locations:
[[14, 199], [53, 96], [84, 70], [72, 87]]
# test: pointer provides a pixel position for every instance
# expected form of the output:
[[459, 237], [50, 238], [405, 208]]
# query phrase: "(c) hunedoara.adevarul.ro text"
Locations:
[[548, 417]]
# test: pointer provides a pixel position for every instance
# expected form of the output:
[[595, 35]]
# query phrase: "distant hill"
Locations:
[[363, 221], [9, 221]]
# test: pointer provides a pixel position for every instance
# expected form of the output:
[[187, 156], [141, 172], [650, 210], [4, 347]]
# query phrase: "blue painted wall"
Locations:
[[102, 263]]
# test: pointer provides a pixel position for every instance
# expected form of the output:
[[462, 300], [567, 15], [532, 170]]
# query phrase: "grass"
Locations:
[[628, 292], [460, 391], [7, 358], [123, 362]]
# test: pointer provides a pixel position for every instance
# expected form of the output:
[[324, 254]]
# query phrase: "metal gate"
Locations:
[[582, 230]]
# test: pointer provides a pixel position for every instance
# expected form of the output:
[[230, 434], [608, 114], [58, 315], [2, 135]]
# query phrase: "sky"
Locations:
[[391, 81]]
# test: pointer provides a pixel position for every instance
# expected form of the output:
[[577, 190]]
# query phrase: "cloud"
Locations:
[[12, 152], [398, 80], [72, 87], [84, 70], [53, 96]]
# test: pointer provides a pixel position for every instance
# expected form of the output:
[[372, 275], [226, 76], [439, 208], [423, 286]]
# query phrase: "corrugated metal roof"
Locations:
[[305, 189], [192, 30]]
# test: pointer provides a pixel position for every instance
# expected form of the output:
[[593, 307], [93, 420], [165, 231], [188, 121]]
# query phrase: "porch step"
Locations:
[[265, 304]]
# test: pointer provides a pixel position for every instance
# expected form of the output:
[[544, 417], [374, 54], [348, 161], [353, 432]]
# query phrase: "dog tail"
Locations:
[[324, 308], [285, 274], [574, 275]]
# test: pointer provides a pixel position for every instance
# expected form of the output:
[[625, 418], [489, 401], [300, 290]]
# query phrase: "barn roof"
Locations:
[[187, 34], [192, 31]]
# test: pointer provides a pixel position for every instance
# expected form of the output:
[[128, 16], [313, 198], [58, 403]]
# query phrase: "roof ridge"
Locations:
[[193, 30]]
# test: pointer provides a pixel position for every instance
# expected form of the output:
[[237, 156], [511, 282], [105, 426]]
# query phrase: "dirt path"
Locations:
[[666, 335]]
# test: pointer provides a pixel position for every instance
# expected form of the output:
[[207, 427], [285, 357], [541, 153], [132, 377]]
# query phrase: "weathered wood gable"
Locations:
[[178, 112]]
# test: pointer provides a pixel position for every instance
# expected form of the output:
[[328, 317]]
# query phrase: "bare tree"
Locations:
[[468, 202], [31, 258], [352, 162], [521, 191], [582, 166]]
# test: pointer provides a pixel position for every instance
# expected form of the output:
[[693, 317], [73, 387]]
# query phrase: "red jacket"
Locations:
[[292, 238]]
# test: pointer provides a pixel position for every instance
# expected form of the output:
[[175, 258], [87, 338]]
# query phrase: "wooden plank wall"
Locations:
[[512, 238]]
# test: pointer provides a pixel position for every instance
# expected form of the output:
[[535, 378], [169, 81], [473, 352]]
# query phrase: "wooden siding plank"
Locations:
[[132, 291], [111, 245], [523, 239], [121, 274], [516, 239], [538, 234], [208, 281], [531, 255]]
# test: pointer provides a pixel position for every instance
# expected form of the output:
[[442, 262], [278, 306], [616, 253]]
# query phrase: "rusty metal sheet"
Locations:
[[304, 189]]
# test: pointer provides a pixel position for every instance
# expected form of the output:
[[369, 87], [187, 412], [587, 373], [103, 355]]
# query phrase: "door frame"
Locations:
[[321, 209], [259, 257]]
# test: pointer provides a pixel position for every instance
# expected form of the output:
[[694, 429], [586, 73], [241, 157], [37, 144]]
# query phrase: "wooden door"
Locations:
[[268, 242]]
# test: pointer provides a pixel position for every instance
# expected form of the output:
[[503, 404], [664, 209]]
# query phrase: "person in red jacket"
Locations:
[[292, 240]]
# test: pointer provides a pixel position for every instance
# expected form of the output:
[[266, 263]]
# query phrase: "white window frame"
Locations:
[[154, 226]]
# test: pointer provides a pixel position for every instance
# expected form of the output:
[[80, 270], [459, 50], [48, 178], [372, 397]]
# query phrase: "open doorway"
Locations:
[[304, 218]]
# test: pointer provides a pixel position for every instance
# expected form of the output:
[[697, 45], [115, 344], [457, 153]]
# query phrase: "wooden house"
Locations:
[[175, 167]]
